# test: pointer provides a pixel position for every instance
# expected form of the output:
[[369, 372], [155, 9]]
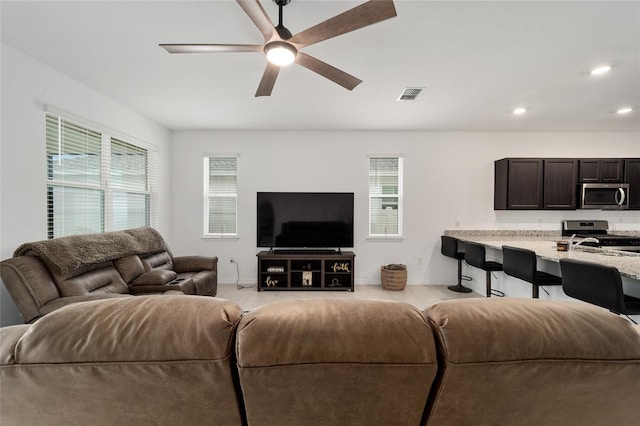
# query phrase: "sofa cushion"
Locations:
[[64, 301], [502, 330], [343, 361], [138, 360], [504, 359], [156, 277], [160, 260], [100, 278], [130, 267]]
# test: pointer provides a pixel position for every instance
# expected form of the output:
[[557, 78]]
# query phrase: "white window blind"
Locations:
[[95, 182], [130, 196], [385, 196], [220, 196]]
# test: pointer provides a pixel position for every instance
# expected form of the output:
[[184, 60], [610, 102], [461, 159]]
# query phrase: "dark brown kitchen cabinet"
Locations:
[[560, 183], [518, 184], [552, 183], [594, 170], [632, 177]]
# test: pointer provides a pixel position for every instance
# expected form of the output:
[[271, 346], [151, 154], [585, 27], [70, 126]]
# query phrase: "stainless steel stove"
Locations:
[[599, 229]]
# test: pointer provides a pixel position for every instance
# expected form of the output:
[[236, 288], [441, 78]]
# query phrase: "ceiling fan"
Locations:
[[283, 48]]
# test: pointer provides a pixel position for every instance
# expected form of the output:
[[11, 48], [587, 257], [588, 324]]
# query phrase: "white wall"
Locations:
[[448, 185], [28, 85], [448, 177]]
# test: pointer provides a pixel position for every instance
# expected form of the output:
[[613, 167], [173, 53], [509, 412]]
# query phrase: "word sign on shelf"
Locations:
[[340, 267]]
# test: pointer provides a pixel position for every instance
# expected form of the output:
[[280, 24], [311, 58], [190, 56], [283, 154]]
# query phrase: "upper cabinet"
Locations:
[[560, 183], [552, 183], [632, 177], [518, 184], [601, 170]]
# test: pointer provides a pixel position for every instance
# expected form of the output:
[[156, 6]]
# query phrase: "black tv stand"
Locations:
[[305, 251], [306, 270]]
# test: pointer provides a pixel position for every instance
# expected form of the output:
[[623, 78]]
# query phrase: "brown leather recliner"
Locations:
[[46, 275]]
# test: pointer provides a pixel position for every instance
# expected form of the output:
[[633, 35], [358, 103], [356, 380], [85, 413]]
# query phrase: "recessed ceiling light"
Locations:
[[625, 110], [602, 69], [519, 111]]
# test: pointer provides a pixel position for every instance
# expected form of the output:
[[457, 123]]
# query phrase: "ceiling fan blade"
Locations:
[[257, 14], [268, 80], [345, 80], [367, 13], [211, 48]]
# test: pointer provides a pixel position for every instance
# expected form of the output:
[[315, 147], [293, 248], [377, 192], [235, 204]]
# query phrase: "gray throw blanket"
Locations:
[[66, 254]]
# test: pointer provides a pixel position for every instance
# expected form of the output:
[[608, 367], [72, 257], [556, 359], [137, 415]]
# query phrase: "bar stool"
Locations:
[[475, 255], [597, 284], [451, 248], [521, 263]]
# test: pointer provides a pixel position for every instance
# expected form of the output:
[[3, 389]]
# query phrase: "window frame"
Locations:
[[399, 195], [206, 195], [107, 218]]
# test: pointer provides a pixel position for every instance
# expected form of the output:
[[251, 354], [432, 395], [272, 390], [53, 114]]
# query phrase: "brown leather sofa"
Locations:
[[46, 275], [200, 361]]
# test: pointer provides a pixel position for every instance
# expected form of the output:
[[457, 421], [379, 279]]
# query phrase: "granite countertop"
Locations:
[[544, 244]]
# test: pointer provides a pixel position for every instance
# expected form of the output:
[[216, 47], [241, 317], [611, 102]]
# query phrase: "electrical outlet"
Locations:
[[232, 260], [419, 261]]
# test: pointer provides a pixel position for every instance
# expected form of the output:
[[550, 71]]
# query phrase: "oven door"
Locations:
[[604, 196]]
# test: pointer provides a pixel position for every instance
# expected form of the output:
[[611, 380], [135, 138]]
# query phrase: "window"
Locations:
[[130, 201], [385, 196], [95, 182], [220, 196]]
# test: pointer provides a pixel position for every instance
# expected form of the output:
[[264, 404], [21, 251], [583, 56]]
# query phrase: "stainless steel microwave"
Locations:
[[605, 196]]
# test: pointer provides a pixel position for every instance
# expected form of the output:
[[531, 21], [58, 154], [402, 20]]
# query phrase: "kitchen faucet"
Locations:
[[584, 240]]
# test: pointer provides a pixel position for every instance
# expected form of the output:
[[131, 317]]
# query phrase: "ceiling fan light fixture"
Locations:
[[280, 53]]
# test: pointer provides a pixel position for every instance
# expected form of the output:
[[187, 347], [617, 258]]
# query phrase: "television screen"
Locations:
[[305, 219]]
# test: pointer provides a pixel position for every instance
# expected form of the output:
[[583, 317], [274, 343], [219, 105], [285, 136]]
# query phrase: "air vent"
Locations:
[[410, 93]]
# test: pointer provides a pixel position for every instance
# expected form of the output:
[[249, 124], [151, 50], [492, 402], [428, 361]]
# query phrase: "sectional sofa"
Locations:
[[167, 360], [43, 276]]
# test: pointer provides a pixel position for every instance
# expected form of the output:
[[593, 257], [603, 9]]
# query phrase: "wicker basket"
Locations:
[[394, 276]]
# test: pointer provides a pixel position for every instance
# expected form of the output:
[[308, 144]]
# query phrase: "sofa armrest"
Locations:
[[9, 337], [194, 263], [30, 285]]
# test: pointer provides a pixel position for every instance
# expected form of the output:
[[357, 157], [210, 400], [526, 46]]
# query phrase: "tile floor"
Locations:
[[420, 296]]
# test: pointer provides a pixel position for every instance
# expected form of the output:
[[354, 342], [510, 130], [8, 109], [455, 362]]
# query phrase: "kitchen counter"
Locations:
[[544, 244]]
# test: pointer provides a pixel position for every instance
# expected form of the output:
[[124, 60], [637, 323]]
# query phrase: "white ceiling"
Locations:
[[477, 60]]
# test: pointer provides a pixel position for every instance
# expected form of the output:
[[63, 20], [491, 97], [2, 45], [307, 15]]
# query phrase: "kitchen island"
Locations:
[[544, 244]]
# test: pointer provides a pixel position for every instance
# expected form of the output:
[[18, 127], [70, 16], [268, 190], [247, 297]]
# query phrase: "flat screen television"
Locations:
[[313, 220]]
